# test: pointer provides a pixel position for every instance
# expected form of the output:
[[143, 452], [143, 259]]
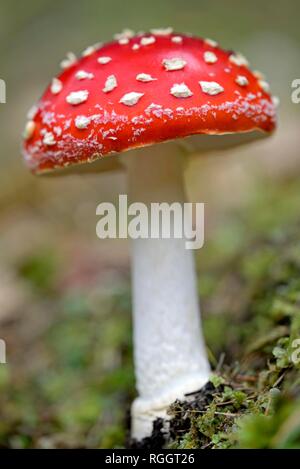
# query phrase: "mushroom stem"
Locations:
[[169, 350]]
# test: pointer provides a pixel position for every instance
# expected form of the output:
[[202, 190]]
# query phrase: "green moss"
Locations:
[[281, 429], [76, 388], [252, 312], [40, 269]]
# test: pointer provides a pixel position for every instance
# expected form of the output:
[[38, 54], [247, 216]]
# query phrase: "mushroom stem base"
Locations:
[[144, 411], [169, 350]]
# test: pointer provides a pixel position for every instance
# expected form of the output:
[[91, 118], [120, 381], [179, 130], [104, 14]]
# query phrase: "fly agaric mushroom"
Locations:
[[135, 92]]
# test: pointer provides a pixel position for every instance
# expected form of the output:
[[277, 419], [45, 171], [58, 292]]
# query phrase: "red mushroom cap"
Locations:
[[142, 90]]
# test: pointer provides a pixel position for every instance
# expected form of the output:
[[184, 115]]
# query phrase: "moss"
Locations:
[[281, 429], [39, 269], [253, 400], [75, 388]]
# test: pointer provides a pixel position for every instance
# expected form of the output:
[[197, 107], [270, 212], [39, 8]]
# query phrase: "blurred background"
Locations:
[[64, 294]]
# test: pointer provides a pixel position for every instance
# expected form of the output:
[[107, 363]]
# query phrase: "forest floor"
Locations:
[[69, 378]]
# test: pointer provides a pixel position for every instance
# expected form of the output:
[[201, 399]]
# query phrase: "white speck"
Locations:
[[82, 122], [88, 51], [145, 77], [49, 139], [48, 118], [241, 80], [175, 63], [56, 86], [177, 39], [210, 57], [67, 124], [77, 97], [129, 99], [146, 41], [123, 41], [161, 31], [138, 132], [29, 130], [32, 112], [91, 49], [153, 106], [264, 85], [227, 70], [276, 101], [68, 61], [110, 84], [135, 46], [238, 59], [138, 120], [58, 130], [259, 75], [126, 33], [180, 90], [211, 87], [82, 75], [211, 42], [103, 60]]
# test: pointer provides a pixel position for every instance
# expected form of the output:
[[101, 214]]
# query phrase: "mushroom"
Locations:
[[135, 92]]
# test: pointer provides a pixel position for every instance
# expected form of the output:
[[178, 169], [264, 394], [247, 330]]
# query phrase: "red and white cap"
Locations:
[[140, 90]]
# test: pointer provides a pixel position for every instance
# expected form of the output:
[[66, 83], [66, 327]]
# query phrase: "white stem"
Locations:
[[169, 351]]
